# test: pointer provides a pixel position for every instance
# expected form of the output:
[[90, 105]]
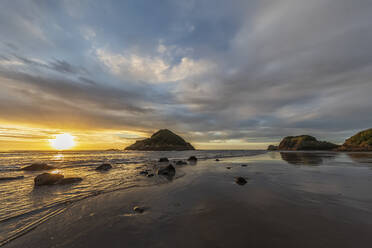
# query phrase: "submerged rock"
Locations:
[[217, 160], [167, 171], [162, 140], [55, 179], [180, 162], [11, 178], [192, 159], [138, 209], [272, 148], [361, 141], [240, 180], [47, 179], [38, 167], [304, 142], [228, 167], [244, 165], [162, 160], [104, 167]]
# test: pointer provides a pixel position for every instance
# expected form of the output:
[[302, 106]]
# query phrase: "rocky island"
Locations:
[[162, 140], [361, 141], [305, 142]]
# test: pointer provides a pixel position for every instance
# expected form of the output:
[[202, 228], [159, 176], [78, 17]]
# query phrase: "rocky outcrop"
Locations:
[[38, 167], [272, 148], [104, 167], [362, 141], [304, 142], [162, 140]]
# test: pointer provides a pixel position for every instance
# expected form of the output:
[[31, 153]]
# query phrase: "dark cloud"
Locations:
[[243, 70]]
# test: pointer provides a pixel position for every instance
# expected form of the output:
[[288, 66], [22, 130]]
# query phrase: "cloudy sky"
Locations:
[[223, 74]]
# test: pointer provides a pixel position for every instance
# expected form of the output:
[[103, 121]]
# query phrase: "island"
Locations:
[[360, 142], [162, 140], [305, 142]]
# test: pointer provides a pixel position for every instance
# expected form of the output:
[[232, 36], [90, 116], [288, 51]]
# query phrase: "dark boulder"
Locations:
[[143, 173], [104, 167], [163, 160], [150, 175], [362, 141], [228, 167], [304, 142], [244, 165], [38, 167], [240, 180], [138, 209], [167, 171], [47, 179], [217, 160], [162, 140]]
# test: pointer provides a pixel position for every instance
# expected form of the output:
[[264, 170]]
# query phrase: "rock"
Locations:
[[244, 165], [180, 162], [361, 141], [138, 209], [47, 179], [162, 160], [240, 180], [11, 178], [162, 140], [69, 180], [304, 142], [38, 167], [167, 171], [217, 160], [272, 148], [228, 167], [143, 173], [192, 159], [104, 167], [150, 175]]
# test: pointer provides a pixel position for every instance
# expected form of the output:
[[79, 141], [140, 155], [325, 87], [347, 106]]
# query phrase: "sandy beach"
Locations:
[[293, 203]]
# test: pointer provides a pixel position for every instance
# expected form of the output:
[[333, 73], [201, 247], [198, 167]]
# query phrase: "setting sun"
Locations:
[[62, 141]]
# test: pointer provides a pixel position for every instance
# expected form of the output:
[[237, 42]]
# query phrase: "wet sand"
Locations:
[[290, 200]]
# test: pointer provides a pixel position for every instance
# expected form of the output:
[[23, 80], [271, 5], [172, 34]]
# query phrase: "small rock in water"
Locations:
[[240, 180], [228, 167], [38, 167], [143, 173], [217, 159], [161, 160], [244, 165], [192, 159], [104, 167], [180, 162], [150, 175], [167, 171], [47, 179], [138, 209]]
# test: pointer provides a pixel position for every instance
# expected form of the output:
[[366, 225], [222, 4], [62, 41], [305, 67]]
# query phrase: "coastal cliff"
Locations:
[[304, 142], [162, 140], [361, 141]]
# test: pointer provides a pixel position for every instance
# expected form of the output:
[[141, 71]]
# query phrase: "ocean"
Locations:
[[24, 206]]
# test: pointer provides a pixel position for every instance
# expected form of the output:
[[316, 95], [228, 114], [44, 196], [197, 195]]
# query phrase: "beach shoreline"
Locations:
[[206, 208]]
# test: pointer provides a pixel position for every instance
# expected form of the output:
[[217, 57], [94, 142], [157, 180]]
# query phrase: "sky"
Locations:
[[232, 74]]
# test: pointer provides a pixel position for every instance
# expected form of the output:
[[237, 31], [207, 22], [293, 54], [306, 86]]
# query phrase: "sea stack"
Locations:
[[162, 140], [361, 141], [305, 142]]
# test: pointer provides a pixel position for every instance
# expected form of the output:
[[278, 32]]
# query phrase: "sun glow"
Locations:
[[62, 141]]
